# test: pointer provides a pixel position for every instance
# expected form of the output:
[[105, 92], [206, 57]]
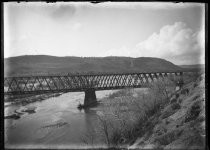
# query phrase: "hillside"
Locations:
[[160, 117], [196, 67], [193, 66], [42, 64], [181, 123]]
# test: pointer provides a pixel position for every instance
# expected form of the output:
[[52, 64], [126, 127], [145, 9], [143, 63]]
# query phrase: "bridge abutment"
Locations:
[[90, 97]]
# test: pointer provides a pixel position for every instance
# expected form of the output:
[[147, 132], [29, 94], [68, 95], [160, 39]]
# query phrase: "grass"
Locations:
[[127, 117]]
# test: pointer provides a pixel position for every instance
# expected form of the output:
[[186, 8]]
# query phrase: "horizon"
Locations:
[[104, 57], [109, 29]]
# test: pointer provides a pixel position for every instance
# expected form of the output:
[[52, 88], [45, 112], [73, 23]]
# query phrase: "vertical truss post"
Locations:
[[86, 82]]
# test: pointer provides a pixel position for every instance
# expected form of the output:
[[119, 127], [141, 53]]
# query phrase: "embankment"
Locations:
[[156, 118], [181, 123]]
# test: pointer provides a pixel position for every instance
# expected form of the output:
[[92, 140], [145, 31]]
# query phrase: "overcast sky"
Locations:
[[171, 31]]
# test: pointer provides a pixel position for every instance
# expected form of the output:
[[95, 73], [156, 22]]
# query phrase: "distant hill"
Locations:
[[195, 67], [43, 64]]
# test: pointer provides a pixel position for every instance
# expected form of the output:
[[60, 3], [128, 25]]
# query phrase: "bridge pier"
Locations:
[[90, 98]]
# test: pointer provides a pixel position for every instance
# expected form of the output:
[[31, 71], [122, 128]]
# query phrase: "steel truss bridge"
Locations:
[[80, 82]]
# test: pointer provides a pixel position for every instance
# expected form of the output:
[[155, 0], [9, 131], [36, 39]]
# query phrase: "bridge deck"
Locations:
[[79, 82]]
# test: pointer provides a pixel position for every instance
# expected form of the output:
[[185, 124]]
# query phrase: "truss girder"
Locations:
[[73, 83]]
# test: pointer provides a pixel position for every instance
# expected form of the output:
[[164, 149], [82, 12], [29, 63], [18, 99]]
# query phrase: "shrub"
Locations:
[[177, 95], [127, 117], [195, 84], [167, 112], [120, 93], [185, 91], [167, 138], [191, 76], [179, 100], [193, 112], [175, 106], [173, 100]]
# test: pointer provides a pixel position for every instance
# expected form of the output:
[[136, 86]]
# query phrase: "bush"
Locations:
[[175, 106], [167, 138], [193, 112], [120, 93], [168, 112], [191, 76], [185, 91], [177, 95], [127, 117], [173, 100]]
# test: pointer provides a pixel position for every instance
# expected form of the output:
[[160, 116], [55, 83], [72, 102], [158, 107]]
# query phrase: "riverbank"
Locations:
[[56, 122], [23, 101], [129, 118], [180, 124], [155, 119]]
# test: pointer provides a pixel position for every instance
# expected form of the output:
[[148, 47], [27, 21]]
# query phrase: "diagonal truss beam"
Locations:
[[79, 82]]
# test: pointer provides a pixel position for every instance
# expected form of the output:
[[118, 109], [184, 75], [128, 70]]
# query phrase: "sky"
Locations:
[[172, 31]]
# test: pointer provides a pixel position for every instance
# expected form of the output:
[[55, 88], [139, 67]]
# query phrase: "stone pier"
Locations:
[[90, 97]]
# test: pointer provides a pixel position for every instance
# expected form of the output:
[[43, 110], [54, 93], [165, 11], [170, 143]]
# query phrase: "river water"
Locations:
[[56, 123]]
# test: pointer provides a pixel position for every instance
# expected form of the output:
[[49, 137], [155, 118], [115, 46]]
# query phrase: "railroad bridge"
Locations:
[[89, 83]]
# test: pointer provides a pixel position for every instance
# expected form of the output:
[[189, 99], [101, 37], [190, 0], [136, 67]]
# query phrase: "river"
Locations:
[[56, 123]]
